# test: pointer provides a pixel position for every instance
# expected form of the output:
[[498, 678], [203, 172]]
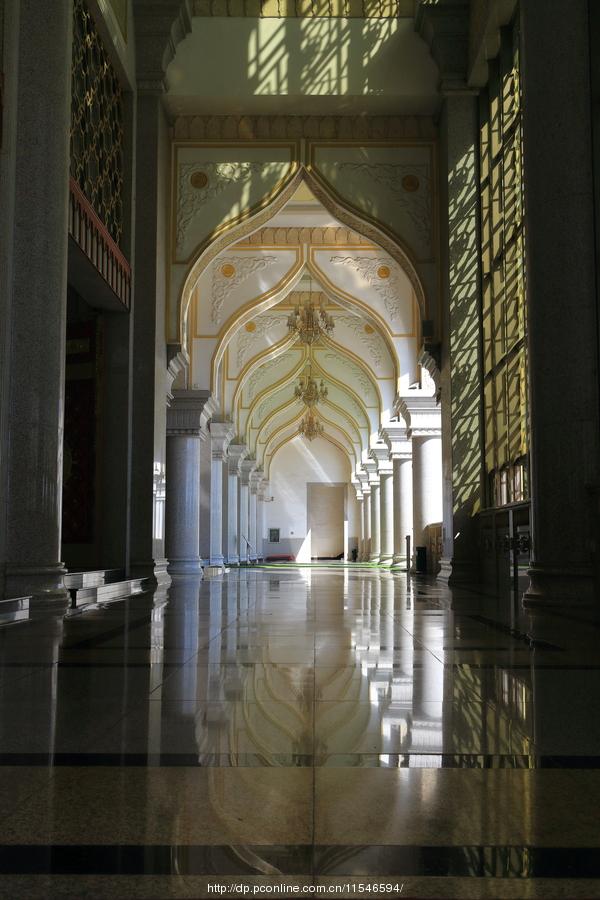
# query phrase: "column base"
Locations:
[[156, 571], [233, 561], [213, 571], [185, 568], [553, 587], [216, 559], [374, 558], [399, 561], [386, 560], [44, 584]]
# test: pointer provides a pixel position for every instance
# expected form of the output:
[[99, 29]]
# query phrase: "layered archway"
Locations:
[[185, 278]]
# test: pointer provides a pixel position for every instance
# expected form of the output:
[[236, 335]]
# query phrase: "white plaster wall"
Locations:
[[297, 464]]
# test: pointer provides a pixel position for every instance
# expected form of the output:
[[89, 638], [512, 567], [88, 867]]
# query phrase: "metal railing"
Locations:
[[90, 234]]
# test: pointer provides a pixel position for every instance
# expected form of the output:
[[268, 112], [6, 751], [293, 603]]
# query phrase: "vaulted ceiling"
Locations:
[[241, 349]]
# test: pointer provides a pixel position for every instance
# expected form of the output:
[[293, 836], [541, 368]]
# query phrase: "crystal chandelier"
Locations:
[[308, 322], [310, 427], [308, 391]]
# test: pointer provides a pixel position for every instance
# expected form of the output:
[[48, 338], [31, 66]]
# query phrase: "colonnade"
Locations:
[[215, 521], [399, 489]]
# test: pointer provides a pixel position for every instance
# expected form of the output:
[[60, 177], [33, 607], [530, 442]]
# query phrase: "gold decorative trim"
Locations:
[[316, 128], [270, 237], [222, 242], [323, 193], [340, 292]]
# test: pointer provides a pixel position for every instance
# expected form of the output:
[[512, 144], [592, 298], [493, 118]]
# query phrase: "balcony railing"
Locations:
[[90, 234]]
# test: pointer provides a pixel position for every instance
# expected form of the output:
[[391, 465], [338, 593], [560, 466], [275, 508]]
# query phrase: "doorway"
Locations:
[[327, 520]]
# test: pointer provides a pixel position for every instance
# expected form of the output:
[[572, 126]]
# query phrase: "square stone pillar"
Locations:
[[38, 302], [462, 409], [562, 300], [149, 348]]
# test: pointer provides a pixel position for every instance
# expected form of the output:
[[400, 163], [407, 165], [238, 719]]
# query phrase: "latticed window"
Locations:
[[504, 311], [96, 124]]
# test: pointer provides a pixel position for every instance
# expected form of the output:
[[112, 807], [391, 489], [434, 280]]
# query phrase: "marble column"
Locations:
[[235, 454], [204, 511], [182, 512], [375, 548], [400, 449], [366, 491], [562, 300], [361, 536], [220, 435], [261, 520], [462, 391], [252, 513], [246, 469], [386, 504], [38, 304], [252, 520], [423, 417]]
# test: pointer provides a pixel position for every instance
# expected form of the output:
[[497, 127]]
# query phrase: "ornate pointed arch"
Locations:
[[341, 210]]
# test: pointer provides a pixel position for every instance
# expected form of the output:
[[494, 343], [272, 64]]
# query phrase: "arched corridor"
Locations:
[[299, 448]]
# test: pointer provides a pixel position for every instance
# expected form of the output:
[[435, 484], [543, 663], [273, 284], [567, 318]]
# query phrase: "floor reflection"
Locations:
[[298, 708]]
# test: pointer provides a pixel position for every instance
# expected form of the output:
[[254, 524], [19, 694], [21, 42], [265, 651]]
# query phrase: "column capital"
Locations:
[[235, 455], [422, 414], [220, 435], [381, 455], [370, 467], [188, 411], [255, 479], [264, 486], [363, 479], [160, 27], [177, 366], [247, 467], [444, 26], [395, 435]]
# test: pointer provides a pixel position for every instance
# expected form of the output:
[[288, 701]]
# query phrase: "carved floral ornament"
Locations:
[[252, 334], [355, 372], [266, 369], [381, 275], [366, 335], [408, 185], [228, 273], [201, 182]]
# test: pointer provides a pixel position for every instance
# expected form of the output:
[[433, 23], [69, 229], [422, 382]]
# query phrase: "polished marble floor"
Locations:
[[311, 728]]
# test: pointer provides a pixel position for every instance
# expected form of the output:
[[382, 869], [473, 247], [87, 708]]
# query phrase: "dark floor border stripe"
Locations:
[[331, 760], [403, 861]]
